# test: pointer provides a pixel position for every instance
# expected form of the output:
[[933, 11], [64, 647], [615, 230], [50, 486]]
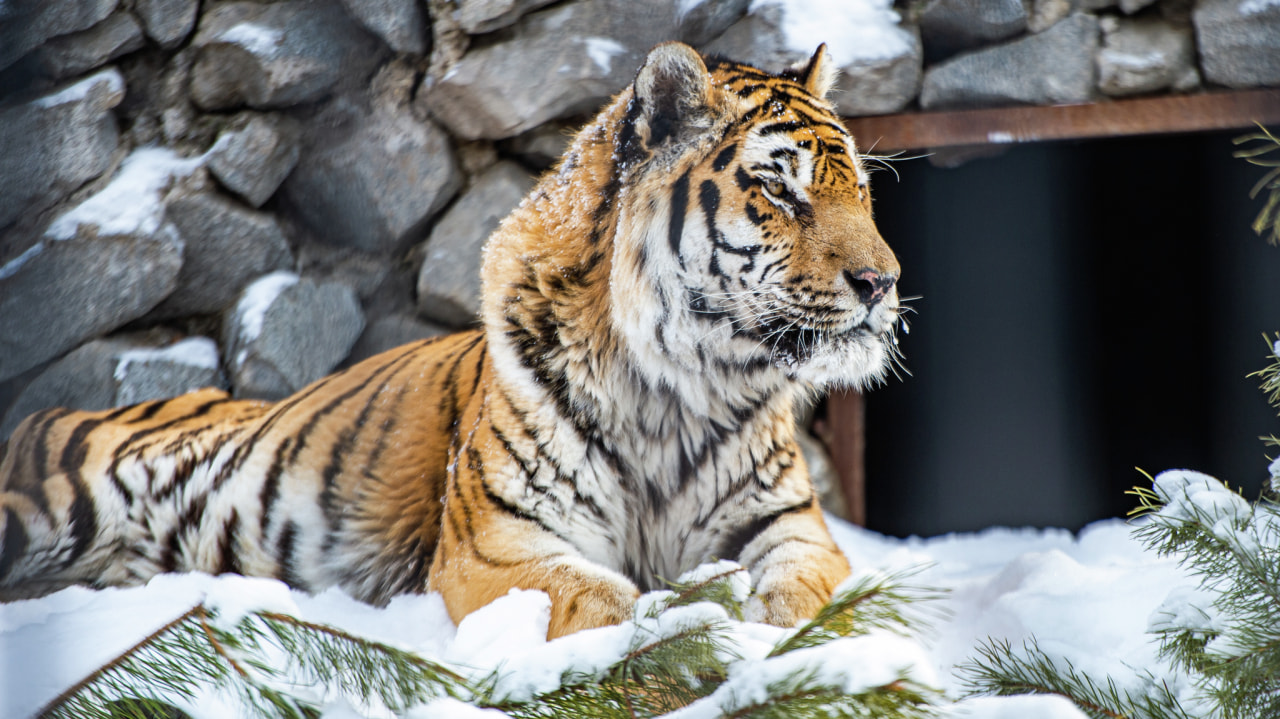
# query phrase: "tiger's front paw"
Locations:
[[585, 595], [786, 605]]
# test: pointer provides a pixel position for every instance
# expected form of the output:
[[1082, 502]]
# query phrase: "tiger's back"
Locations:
[[339, 484]]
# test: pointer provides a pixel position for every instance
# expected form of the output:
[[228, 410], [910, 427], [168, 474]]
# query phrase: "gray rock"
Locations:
[[375, 180], [1132, 6], [118, 371], [29, 23], [1145, 55], [60, 293], [542, 146], [705, 21], [227, 246], [1055, 66], [1239, 41], [1044, 14], [449, 282], [253, 157], [275, 55], [84, 379], [55, 144], [287, 332], [876, 77], [401, 24], [168, 22], [480, 16], [389, 332], [555, 63], [148, 373], [949, 26], [758, 39], [82, 51]]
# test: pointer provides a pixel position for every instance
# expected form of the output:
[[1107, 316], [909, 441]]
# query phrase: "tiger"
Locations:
[[701, 257]]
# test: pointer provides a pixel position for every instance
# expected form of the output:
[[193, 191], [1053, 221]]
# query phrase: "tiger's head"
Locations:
[[745, 210]]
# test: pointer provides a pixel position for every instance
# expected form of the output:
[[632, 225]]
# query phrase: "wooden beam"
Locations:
[[847, 443], [1109, 118]]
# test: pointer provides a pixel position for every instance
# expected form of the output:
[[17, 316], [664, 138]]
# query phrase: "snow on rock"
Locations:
[[199, 352], [109, 80], [256, 300], [854, 30], [133, 203]]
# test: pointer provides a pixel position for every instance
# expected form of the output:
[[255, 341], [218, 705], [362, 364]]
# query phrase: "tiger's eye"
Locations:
[[775, 188]]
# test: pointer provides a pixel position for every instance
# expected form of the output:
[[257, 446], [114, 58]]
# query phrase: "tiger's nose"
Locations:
[[870, 286]]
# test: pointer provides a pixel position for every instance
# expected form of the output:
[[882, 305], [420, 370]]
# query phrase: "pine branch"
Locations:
[[999, 671], [875, 601], [1268, 219]]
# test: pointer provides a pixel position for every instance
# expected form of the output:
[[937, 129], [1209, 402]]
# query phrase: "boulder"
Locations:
[[949, 26], [105, 262], [402, 24], [389, 332], [449, 282], [481, 16], [1239, 41], [542, 146], [168, 22], [80, 52], [118, 371], [56, 143], [1055, 66], [1044, 14], [286, 332], [1145, 55], [275, 55], [373, 178], [227, 246], [554, 63], [29, 23], [701, 21], [255, 154], [879, 59]]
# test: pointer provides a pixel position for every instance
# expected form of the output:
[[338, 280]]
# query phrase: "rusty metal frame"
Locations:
[[1115, 118]]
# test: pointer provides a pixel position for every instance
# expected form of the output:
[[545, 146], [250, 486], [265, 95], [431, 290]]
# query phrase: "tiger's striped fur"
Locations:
[[703, 254]]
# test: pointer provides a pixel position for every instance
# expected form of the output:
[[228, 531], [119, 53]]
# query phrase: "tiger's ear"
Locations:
[[673, 88], [819, 76]]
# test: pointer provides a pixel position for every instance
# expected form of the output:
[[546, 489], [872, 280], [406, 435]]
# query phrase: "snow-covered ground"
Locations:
[[1085, 597]]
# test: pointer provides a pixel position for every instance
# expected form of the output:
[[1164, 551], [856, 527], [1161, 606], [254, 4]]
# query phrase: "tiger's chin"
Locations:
[[854, 360]]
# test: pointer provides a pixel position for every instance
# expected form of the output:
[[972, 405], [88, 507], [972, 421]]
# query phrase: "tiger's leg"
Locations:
[[795, 566], [488, 547]]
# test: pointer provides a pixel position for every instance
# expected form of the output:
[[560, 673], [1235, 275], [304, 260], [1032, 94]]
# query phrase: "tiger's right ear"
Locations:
[[673, 88]]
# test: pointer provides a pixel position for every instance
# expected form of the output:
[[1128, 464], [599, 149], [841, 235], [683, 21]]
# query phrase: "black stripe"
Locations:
[[152, 409], [229, 560], [732, 546], [83, 518], [14, 543], [679, 207], [725, 157], [285, 549], [776, 127]]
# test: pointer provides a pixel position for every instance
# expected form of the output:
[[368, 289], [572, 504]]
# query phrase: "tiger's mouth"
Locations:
[[792, 344]]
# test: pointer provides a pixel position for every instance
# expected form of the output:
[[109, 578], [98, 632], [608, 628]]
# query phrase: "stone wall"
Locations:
[[251, 194]]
